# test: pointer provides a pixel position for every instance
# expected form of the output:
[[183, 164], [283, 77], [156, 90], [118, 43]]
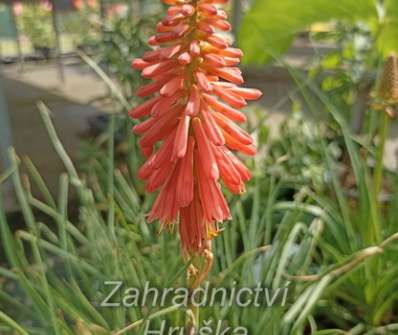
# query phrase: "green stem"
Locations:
[[192, 323], [110, 177], [192, 319], [378, 173], [140, 322], [14, 325], [372, 269]]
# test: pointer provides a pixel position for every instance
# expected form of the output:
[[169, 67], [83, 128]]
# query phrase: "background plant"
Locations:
[[360, 35], [63, 281], [35, 21]]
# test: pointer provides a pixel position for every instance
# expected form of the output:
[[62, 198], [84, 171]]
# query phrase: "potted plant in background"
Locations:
[[35, 21]]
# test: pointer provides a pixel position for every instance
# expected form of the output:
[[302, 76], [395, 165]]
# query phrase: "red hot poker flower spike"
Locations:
[[190, 133]]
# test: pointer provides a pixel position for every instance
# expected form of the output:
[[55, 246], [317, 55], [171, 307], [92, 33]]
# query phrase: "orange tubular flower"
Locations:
[[189, 132]]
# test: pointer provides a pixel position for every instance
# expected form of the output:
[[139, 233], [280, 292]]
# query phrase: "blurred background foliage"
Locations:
[[277, 22], [35, 22]]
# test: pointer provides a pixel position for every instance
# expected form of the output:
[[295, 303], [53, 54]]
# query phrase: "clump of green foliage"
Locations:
[[35, 22]]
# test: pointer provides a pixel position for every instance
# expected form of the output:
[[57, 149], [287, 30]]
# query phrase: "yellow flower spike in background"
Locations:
[[386, 101], [388, 85], [386, 94]]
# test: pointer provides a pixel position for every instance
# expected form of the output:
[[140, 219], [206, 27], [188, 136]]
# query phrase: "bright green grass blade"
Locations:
[[6, 319]]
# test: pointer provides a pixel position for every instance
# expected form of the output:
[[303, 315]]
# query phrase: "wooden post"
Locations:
[[236, 17], [5, 128], [102, 9], [1, 56], [5, 144], [135, 9], [17, 37], [58, 49], [361, 104]]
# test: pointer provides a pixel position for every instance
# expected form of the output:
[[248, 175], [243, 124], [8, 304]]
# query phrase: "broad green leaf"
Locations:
[[387, 40], [269, 27]]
